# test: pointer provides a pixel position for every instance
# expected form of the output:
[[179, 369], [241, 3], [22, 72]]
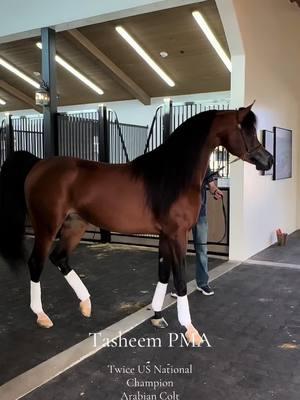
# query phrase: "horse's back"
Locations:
[[105, 195], [71, 177]]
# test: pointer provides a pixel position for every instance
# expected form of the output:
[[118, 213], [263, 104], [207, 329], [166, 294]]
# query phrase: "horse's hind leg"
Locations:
[[36, 261], [164, 269], [71, 232]]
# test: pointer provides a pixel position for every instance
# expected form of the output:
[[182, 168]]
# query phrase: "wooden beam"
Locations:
[[122, 78], [19, 95]]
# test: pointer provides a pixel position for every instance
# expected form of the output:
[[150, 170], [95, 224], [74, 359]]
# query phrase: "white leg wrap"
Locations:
[[183, 310], [159, 296], [77, 285], [35, 297]]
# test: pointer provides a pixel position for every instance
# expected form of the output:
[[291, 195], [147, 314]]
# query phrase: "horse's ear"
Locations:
[[243, 111]]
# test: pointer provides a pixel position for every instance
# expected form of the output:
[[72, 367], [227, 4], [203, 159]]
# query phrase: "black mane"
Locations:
[[249, 122], [169, 170]]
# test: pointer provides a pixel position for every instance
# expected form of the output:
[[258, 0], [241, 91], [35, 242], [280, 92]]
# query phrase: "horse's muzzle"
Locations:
[[262, 159], [265, 166]]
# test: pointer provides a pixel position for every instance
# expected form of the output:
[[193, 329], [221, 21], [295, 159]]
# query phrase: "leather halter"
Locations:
[[248, 152]]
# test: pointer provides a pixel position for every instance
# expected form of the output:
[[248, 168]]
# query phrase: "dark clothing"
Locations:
[[207, 179]]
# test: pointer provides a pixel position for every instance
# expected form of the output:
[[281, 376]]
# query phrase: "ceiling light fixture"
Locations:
[[163, 54], [2, 102], [141, 52], [212, 39], [74, 72], [17, 72]]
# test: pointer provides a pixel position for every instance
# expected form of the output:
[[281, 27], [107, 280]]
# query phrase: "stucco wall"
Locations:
[[270, 33]]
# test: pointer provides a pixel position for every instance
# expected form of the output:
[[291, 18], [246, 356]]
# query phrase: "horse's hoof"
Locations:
[[44, 321], [159, 323], [86, 308], [193, 336]]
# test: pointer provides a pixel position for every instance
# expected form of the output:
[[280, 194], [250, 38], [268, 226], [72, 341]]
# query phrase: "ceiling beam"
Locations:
[[121, 77], [19, 95]]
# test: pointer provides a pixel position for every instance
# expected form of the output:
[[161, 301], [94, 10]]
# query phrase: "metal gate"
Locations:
[[95, 136], [99, 136], [28, 135], [21, 134], [3, 144]]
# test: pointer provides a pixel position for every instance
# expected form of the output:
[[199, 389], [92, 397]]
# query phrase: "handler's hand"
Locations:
[[218, 194]]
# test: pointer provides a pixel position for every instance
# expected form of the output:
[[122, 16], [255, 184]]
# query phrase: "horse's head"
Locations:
[[239, 137]]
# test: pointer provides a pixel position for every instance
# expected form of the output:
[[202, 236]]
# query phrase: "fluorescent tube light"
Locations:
[[212, 39], [17, 72], [129, 39], [2, 102], [74, 72]]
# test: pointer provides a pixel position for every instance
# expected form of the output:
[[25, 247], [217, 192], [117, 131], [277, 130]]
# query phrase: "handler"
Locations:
[[200, 234]]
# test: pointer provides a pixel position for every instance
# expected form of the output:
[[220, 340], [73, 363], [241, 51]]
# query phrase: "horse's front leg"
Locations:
[[183, 309], [164, 270], [179, 245]]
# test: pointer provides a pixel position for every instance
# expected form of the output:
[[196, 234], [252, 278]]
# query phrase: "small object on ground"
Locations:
[[281, 237]]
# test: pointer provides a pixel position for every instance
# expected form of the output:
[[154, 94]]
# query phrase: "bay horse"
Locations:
[[156, 193]]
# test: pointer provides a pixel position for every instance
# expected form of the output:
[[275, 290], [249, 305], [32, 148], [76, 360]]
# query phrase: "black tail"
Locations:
[[13, 206]]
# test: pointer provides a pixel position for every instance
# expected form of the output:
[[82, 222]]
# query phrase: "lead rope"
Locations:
[[225, 222], [225, 226], [223, 205]]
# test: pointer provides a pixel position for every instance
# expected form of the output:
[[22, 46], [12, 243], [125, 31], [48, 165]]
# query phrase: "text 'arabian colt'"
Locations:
[[157, 193]]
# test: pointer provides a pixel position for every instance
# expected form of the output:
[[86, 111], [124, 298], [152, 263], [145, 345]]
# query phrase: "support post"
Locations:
[[9, 136], [103, 153], [167, 119], [49, 78], [103, 140]]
